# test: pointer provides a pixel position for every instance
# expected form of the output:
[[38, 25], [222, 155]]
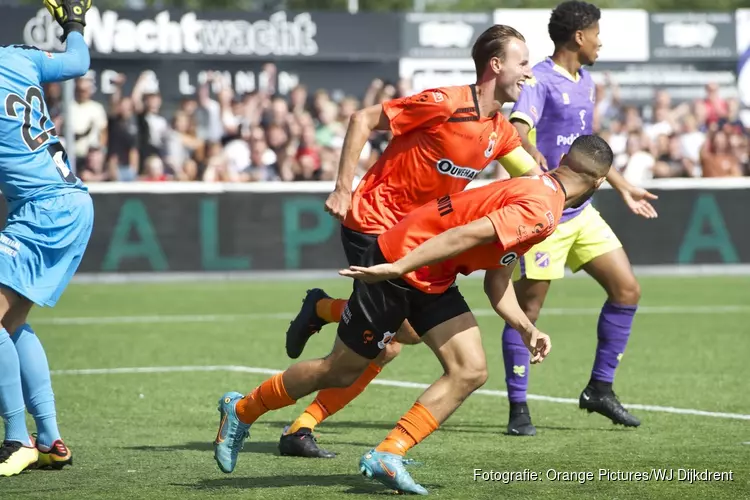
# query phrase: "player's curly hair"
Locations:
[[569, 17], [491, 44], [596, 149]]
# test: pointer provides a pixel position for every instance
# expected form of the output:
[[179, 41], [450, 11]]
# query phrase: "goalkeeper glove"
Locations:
[[70, 14]]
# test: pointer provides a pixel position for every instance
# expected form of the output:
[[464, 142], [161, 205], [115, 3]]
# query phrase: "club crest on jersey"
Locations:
[[591, 94], [534, 113], [491, 145], [566, 98], [447, 167]]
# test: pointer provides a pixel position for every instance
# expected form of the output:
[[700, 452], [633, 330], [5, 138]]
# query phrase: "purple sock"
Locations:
[[517, 358], [613, 331]]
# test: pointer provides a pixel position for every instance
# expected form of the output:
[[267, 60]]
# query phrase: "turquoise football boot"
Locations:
[[389, 469], [232, 433]]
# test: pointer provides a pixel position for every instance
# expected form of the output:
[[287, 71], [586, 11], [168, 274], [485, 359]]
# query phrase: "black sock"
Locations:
[[599, 386], [518, 407]]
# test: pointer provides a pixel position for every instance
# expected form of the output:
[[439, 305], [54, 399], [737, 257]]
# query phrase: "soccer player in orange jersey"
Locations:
[[442, 139], [412, 267]]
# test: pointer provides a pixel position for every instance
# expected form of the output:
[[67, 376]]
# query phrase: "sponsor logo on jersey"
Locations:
[[567, 140], [447, 167]]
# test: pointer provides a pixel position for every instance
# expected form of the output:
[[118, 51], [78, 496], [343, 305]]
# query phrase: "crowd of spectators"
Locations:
[[217, 136]]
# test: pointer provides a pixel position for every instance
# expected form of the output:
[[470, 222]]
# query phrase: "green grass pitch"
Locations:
[[148, 435]]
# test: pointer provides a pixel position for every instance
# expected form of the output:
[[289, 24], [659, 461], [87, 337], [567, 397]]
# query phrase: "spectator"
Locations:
[[154, 170], [670, 161], [153, 127], [93, 168], [717, 159], [122, 154], [716, 107], [260, 170], [692, 139], [182, 143], [640, 162], [89, 120]]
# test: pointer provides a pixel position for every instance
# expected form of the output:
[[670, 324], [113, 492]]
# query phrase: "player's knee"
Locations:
[[531, 309], [391, 351], [473, 378], [469, 377], [626, 293]]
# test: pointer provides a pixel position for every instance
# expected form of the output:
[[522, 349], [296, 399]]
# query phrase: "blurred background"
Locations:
[[258, 95]]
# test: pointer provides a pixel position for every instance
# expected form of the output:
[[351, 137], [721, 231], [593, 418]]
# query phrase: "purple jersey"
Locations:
[[558, 110]]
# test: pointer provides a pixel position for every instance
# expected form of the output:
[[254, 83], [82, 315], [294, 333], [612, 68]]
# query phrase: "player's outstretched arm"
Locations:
[[636, 198], [437, 249], [73, 63], [498, 285]]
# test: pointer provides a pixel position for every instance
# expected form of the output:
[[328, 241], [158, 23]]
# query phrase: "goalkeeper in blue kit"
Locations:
[[50, 217]]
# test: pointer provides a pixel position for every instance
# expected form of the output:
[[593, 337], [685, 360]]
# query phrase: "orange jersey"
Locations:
[[439, 145], [524, 211]]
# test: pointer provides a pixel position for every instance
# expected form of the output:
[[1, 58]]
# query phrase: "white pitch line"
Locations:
[[228, 318], [389, 383]]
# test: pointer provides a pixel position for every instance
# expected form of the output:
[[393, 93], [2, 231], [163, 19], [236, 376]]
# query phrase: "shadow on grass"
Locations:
[[261, 447], [356, 484], [333, 426]]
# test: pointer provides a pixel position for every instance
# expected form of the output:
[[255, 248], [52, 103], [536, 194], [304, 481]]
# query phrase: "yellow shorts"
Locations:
[[574, 243]]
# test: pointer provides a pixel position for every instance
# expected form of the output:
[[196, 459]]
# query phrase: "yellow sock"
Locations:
[[304, 420]]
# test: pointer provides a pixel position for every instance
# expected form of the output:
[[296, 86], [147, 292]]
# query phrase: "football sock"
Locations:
[[330, 310], [413, 428], [613, 331], [12, 408], [37, 386], [329, 401], [270, 395], [517, 363]]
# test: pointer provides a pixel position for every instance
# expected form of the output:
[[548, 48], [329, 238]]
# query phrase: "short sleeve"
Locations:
[[420, 111], [509, 139], [530, 104], [522, 224]]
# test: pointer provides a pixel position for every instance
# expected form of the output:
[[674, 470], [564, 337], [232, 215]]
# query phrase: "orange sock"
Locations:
[[270, 395], [329, 401], [330, 310], [417, 424]]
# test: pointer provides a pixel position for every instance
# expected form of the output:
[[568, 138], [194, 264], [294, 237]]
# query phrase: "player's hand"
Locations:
[[338, 203], [69, 11], [636, 199], [537, 155], [373, 274], [538, 343]]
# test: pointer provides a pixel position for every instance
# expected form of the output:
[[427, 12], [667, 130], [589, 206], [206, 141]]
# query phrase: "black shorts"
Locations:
[[375, 311], [356, 245]]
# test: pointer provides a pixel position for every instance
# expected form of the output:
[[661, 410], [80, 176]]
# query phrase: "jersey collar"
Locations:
[[564, 72]]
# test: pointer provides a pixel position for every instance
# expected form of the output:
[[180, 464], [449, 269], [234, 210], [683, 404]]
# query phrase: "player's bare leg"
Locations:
[[458, 346], [37, 387], [340, 368], [298, 440], [614, 273], [531, 295], [17, 452]]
